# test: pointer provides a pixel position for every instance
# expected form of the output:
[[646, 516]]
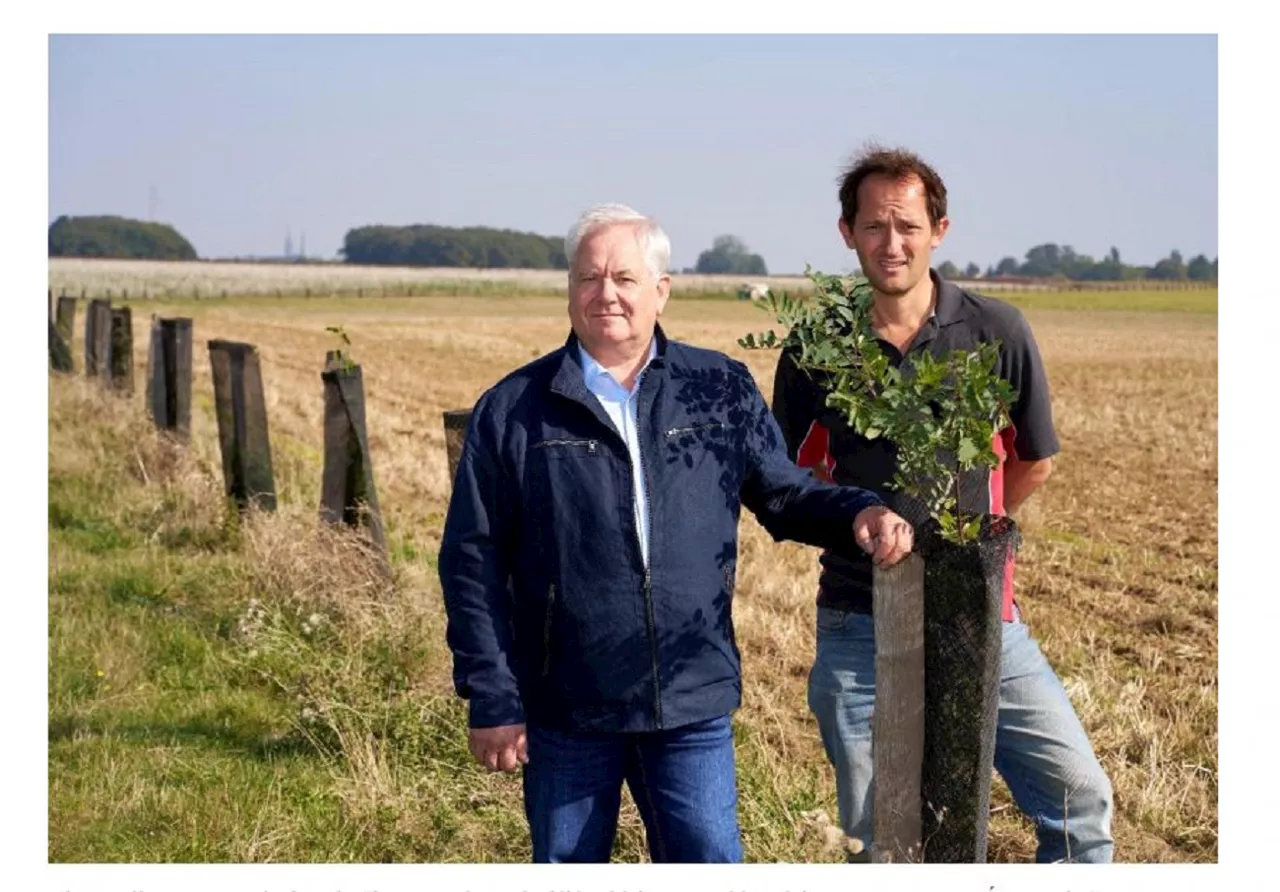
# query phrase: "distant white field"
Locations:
[[150, 278]]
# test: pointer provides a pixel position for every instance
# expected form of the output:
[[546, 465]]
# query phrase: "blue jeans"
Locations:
[[1042, 751], [682, 781]]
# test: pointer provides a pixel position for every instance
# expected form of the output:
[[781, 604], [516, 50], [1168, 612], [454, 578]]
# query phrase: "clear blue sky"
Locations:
[[1088, 141]]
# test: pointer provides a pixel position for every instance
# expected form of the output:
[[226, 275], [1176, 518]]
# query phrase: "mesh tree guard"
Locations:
[[963, 590]]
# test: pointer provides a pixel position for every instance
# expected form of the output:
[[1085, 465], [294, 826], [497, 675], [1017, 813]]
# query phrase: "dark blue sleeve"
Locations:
[[475, 566], [790, 502]]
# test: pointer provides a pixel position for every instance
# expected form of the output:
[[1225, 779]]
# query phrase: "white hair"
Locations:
[[653, 241]]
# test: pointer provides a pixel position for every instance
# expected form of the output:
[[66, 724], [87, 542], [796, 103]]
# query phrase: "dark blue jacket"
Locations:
[[552, 616]]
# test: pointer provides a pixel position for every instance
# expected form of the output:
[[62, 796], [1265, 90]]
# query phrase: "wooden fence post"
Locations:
[[348, 494], [120, 366], [59, 352], [897, 723], [455, 433], [66, 318], [169, 375], [97, 338], [242, 424]]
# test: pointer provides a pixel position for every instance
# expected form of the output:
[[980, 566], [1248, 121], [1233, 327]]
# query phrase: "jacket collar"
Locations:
[[568, 379]]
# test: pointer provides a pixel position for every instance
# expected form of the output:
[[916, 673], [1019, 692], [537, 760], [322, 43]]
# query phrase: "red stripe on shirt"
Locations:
[[1002, 444], [815, 452]]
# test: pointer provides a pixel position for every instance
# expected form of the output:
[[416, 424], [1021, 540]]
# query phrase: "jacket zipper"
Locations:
[[648, 577], [590, 445], [546, 631], [676, 431]]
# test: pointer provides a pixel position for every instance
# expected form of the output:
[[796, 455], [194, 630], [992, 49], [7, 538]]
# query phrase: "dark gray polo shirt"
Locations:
[[820, 438]]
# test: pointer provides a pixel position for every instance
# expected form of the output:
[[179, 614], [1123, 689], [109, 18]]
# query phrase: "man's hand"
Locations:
[[883, 535], [503, 748]]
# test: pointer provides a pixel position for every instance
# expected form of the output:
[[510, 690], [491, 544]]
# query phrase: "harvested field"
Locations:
[[195, 743]]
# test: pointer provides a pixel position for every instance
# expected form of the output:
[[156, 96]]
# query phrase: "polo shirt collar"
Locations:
[[950, 302]]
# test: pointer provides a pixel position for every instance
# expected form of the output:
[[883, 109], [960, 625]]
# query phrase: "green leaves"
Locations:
[[940, 412], [342, 357]]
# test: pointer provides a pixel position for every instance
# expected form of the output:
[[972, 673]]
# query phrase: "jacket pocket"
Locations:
[[701, 427], [567, 448]]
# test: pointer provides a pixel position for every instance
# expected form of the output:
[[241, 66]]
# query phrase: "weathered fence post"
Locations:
[[169, 375], [97, 338], [455, 433], [59, 352], [348, 494], [242, 424], [120, 366], [66, 318], [897, 723]]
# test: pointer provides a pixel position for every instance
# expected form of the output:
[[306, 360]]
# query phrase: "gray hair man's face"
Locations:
[[614, 298]]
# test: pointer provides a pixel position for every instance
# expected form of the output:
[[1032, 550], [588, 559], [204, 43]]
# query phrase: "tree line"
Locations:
[[1051, 261], [489, 248], [109, 236], [472, 246]]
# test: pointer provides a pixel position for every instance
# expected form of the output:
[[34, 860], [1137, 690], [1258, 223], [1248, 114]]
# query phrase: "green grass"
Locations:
[[200, 710], [219, 690]]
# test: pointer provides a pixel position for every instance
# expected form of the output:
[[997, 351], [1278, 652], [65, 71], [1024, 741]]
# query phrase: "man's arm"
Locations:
[[791, 503], [1033, 442], [474, 570], [1022, 478]]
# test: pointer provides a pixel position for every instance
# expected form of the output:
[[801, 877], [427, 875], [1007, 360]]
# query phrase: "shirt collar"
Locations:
[[950, 302], [592, 370]]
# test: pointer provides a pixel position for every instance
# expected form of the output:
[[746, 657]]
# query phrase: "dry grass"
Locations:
[[1118, 574]]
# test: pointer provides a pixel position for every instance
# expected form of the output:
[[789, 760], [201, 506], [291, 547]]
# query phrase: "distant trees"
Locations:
[[108, 236], [474, 246], [1008, 266], [1061, 261], [1201, 270], [728, 254]]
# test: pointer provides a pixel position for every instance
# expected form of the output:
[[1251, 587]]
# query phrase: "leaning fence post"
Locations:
[[120, 366], [455, 433], [66, 318], [242, 424], [897, 723], [348, 494], [59, 352], [97, 337], [169, 375]]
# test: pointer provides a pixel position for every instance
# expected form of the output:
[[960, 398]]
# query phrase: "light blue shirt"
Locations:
[[620, 405]]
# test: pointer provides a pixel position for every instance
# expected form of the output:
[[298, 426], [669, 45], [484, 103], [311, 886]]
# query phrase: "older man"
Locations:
[[589, 553]]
